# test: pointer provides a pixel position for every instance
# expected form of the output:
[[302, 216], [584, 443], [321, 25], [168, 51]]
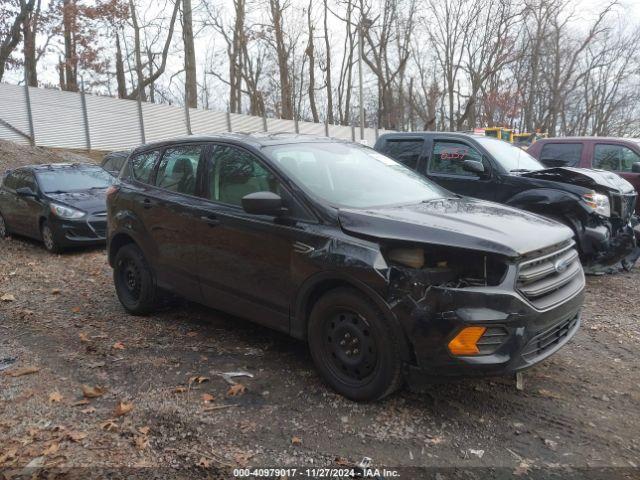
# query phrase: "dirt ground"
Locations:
[[82, 384]]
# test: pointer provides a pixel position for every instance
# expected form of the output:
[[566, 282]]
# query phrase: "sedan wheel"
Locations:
[[48, 239]]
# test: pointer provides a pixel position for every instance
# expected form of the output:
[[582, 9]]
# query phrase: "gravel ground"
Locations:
[[85, 385]]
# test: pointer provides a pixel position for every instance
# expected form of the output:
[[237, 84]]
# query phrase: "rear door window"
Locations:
[[178, 169], [142, 165], [616, 158], [561, 154], [405, 151], [448, 157]]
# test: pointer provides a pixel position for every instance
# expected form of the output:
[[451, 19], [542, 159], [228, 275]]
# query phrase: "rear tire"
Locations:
[[354, 347], [48, 238], [133, 280], [4, 229]]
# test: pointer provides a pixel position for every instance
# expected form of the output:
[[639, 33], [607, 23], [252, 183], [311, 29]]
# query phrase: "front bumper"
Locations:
[[605, 246], [526, 336], [91, 230]]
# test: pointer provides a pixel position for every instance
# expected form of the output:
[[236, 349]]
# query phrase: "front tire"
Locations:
[[133, 280], [354, 347], [49, 239]]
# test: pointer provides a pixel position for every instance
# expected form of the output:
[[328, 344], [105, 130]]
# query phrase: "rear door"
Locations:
[[169, 206], [407, 150], [24, 213], [8, 201], [444, 166]]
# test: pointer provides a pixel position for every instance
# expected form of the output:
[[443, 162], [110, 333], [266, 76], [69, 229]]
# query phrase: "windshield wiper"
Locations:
[[520, 170], [57, 191]]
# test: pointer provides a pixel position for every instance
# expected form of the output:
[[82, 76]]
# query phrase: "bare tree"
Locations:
[[11, 39], [191, 74]]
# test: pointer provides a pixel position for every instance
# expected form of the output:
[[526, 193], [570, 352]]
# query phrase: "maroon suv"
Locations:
[[620, 155]]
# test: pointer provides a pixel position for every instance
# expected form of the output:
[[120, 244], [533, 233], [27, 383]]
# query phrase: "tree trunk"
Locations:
[[327, 47], [312, 66], [69, 13], [140, 92], [29, 32], [120, 78], [286, 89], [191, 76], [10, 42]]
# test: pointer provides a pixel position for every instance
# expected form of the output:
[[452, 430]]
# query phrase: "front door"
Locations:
[[244, 260], [445, 167], [620, 159]]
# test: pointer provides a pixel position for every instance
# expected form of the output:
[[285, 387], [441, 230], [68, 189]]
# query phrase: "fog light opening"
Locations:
[[465, 342]]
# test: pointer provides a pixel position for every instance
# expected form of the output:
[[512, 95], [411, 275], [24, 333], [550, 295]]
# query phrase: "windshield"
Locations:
[[512, 159], [350, 175], [68, 179]]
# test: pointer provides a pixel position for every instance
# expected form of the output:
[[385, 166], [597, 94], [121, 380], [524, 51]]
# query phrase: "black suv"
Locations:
[[404, 282], [597, 205]]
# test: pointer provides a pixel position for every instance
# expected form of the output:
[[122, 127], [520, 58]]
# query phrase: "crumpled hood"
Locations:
[[597, 180], [458, 222], [91, 201]]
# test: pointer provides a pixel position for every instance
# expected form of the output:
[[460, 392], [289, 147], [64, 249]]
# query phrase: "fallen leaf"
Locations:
[[192, 334], [141, 442], [522, 469], [110, 425], [55, 397], [92, 392], [51, 449], [23, 371], [55, 291], [204, 463], [179, 390], [76, 436], [122, 409], [144, 430], [242, 458], [235, 390], [79, 403], [88, 410], [118, 346], [207, 398], [198, 379], [296, 441], [7, 297], [83, 337]]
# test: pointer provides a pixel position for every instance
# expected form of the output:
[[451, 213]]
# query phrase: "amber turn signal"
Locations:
[[464, 343]]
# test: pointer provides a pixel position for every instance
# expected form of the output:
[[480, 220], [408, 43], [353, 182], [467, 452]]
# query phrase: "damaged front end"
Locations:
[[468, 312], [606, 228]]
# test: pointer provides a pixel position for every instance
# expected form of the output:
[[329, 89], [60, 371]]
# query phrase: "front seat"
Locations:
[[184, 176]]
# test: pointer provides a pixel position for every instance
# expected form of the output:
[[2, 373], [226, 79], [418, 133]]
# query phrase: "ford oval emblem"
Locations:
[[561, 266]]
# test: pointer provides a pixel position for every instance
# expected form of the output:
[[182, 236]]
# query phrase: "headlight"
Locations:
[[67, 213], [599, 203]]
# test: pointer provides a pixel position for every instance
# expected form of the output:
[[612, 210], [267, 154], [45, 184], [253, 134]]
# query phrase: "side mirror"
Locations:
[[25, 192], [474, 166], [635, 167], [263, 203]]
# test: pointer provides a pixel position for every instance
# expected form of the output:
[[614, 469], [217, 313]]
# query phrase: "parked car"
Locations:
[[63, 205], [388, 276], [113, 161], [619, 155], [597, 206]]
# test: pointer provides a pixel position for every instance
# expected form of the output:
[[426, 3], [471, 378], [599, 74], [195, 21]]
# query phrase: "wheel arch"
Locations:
[[315, 287], [118, 241]]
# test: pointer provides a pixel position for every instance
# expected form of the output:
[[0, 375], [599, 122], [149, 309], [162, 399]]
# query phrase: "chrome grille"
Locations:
[[550, 279], [623, 206]]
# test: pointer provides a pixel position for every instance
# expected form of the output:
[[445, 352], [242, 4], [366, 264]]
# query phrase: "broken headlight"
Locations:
[[598, 202]]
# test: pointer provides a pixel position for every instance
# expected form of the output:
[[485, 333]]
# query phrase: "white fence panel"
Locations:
[[104, 114], [204, 122], [246, 123], [57, 118], [13, 110], [162, 122]]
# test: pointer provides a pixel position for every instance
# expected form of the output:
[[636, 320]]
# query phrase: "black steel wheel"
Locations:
[[133, 280], [356, 349]]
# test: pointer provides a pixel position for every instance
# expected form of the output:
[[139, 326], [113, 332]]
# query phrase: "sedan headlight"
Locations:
[[598, 202], [68, 213]]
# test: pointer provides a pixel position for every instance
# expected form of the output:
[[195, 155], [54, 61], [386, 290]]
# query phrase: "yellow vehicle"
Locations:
[[524, 140], [501, 133]]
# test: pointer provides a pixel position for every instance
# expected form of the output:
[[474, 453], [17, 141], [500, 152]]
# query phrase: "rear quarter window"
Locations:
[[561, 154]]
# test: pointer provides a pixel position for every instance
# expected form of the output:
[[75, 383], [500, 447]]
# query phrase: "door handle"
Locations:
[[211, 220], [147, 203]]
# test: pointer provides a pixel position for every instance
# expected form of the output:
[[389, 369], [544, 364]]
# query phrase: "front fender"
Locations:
[[548, 201]]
